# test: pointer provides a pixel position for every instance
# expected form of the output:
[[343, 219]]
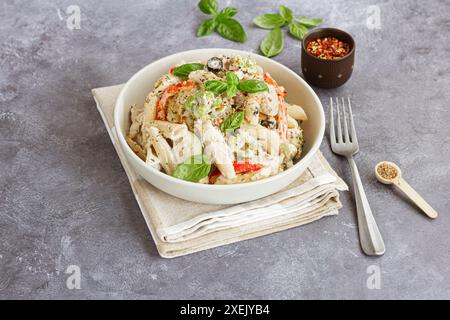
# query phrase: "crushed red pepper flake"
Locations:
[[328, 48]]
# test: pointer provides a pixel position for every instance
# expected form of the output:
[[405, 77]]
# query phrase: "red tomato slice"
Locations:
[[170, 91], [245, 166], [239, 167]]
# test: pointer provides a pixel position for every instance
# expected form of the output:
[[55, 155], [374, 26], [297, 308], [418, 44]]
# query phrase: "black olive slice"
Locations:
[[269, 124], [215, 64]]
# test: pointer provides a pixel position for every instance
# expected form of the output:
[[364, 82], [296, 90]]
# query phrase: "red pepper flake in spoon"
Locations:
[[328, 48]]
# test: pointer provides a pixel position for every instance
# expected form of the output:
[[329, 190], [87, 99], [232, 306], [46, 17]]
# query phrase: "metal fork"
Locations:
[[345, 143]]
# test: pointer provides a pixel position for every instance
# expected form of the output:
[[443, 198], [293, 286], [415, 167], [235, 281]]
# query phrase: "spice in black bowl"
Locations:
[[328, 55], [328, 48]]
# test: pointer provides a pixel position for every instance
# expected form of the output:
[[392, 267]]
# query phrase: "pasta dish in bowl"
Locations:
[[218, 121]]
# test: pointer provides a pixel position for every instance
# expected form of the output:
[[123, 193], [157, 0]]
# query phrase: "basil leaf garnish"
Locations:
[[233, 85], [206, 27], [298, 30], [232, 90], [232, 78], [269, 21], [193, 169], [215, 86], [287, 14], [272, 43], [233, 122], [185, 69], [208, 6], [231, 29], [253, 86], [309, 22]]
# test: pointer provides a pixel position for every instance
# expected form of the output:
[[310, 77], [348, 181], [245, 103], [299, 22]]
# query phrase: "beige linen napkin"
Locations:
[[180, 227]]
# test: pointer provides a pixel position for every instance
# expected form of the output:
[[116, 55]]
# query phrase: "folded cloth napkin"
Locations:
[[180, 227]]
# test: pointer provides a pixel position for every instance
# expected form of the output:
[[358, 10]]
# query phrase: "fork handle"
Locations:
[[369, 236]]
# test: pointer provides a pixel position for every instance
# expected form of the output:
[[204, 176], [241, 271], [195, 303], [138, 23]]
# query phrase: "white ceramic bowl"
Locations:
[[298, 92]]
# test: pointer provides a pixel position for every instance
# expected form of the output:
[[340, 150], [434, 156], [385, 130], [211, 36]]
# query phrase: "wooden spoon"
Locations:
[[406, 188]]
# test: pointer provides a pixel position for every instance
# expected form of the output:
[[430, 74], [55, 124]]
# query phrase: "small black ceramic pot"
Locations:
[[327, 73]]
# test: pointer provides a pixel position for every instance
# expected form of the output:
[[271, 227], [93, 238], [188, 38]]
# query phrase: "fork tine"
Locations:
[[352, 123], [346, 136], [332, 133], [339, 129]]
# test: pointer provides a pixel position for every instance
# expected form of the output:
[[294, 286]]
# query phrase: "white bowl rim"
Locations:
[[314, 148]]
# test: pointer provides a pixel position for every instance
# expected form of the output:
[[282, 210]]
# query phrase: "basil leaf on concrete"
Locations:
[[298, 30], [206, 27], [269, 21], [287, 14], [227, 12], [232, 30], [272, 43], [208, 6], [309, 22]]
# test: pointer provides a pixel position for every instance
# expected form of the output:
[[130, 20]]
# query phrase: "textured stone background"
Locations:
[[64, 198]]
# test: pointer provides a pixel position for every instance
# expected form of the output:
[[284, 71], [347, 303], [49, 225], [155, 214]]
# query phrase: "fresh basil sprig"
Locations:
[[221, 22], [232, 85], [227, 12], [272, 44], [185, 69], [232, 122], [193, 169]]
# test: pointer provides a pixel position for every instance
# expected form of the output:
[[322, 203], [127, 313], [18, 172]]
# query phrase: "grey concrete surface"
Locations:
[[65, 200]]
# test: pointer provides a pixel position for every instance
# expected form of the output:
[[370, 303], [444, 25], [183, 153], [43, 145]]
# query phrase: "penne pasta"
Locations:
[[150, 107], [215, 147], [152, 160], [292, 123], [268, 139], [163, 150], [296, 112], [136, 148], [185, 147], [137, 117], [171, 130], [251, 112]]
